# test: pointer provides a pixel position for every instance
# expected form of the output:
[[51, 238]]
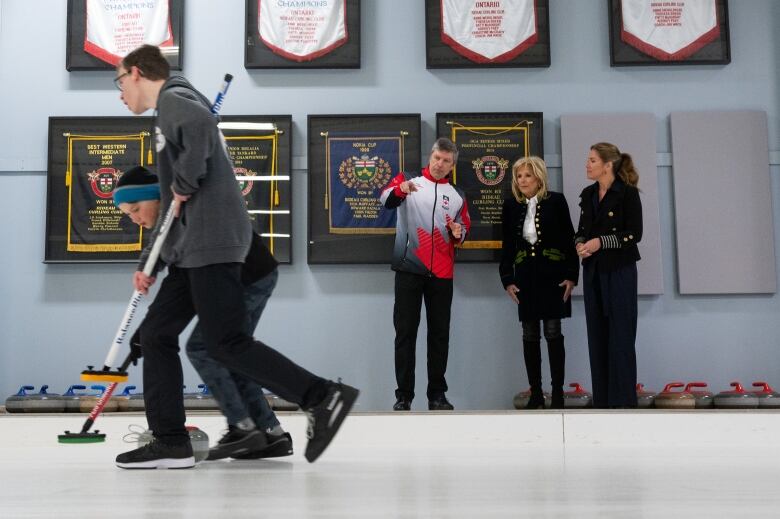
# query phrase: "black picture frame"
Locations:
[[57, 190], [439, 55], [76, 58], [279, 225], [323, 246], [623, 54], [259, 56], [483, 244]]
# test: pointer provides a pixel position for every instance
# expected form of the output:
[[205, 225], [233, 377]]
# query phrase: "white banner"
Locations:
[[669, 30], [302, 30], [493, 31], [116, 27]]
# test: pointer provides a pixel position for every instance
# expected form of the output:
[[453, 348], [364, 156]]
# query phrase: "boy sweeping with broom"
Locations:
[[205, 248]]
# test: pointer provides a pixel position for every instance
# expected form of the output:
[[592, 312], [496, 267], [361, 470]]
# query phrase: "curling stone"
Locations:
[[280, 404], [123, 399], [519, 401], [202, 400], [738, 398], [200, 443], [668, 399], [18, 403], [139, 434], [88, 402], [578, 398], [44, 402], [72, 400], [704, 399], [767, 397], [644, 399]]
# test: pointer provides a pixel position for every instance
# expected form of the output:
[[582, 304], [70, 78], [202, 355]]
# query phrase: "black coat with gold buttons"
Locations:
[[538, 269], [616, 220]]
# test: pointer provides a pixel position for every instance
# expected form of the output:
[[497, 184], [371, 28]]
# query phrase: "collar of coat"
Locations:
[[617, 186], [427, 174]]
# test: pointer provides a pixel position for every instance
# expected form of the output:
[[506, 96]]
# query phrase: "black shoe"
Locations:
[[536, 401], [439, 403], [158, 455], [402, 404], [278, 446], [237, 441], [326, 417]]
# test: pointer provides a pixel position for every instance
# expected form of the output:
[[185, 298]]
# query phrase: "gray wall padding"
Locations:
[[723, 203], [633, 134]]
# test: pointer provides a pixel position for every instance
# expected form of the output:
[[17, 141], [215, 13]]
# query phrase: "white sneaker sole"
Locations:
[[164, 463]]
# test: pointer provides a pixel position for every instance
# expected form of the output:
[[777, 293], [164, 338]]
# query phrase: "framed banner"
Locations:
[[488, 144], [321, 34], [261, 149], [102, 32], [685, 32], [86, 158], [487, 34], [350, 159]]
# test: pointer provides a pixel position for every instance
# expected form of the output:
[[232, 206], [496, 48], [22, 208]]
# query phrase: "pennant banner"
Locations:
[[494, 31], [669, 30], [358, 168], [116, 27], [484, 172], [95, 164], [302, 30]]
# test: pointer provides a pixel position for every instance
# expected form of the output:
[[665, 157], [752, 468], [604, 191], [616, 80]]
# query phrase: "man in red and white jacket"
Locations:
[[432, 219]]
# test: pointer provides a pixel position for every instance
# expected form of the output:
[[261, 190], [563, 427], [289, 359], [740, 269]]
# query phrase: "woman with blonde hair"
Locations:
[[539, 269], [609, 229]]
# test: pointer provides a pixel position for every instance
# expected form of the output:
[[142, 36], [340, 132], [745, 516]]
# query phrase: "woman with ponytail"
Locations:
[[606, 239]]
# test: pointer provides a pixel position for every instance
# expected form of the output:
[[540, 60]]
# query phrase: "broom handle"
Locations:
[[151, 261]]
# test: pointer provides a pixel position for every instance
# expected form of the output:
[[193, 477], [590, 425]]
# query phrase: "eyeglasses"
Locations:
[[118, 83]]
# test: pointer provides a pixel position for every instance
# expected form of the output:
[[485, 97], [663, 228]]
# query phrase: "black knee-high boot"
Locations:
[[557, 355], [533, 367]]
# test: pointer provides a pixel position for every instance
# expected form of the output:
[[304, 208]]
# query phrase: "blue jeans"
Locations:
[[238, 396]]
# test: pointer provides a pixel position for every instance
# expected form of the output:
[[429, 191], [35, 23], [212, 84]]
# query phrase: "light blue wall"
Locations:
[[336, 320]]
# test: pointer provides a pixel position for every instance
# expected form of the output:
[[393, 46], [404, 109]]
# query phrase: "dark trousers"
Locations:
[[410, 291], [611, 315], [238, 397], [214, 293]]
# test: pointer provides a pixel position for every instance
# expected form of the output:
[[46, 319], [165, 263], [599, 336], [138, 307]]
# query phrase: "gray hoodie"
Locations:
[[213, 226]]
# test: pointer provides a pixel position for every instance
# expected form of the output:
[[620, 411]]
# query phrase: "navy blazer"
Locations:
[[616, 220], [557, 259]]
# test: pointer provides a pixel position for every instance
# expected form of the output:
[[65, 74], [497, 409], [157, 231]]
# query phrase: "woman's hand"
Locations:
[[569, 287], [587, 249], [512, 292]]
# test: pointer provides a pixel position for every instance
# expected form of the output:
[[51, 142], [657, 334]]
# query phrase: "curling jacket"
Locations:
[[423, 242], [616, 220]]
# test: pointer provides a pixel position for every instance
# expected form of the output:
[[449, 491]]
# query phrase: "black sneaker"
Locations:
[[237, 441], [278, 446], [326, 417], [158, 455]]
